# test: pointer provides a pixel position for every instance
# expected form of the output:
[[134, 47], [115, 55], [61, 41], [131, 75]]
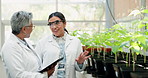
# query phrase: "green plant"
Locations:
[[118, 39], [138, 41], [99, 40]]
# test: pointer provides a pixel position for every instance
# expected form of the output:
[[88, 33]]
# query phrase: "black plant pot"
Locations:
[[109, 70], [124, 71], [100, 68]]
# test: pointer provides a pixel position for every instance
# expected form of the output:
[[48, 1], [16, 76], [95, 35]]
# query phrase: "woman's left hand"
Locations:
[[82, 57]]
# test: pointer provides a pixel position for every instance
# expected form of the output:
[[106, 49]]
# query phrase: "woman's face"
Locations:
[[57, 26], [28, 30]]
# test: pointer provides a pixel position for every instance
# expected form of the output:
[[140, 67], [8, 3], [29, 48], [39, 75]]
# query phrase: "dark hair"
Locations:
[[61, 16]]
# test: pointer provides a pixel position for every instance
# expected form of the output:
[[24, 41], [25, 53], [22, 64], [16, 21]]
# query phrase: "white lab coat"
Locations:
[[49, 50], [19, 60]]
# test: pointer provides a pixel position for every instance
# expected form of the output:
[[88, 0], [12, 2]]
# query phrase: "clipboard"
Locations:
[[50, 66]]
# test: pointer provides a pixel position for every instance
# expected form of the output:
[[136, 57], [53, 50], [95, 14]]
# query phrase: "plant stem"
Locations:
[[115, 57], [98, 50], [104, 53], [144, 58], [127, 59], [134, 61]]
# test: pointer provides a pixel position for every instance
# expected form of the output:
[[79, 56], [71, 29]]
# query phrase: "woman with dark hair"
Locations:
[[61, 44]]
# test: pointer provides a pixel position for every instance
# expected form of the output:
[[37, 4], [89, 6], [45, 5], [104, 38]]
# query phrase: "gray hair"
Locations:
[[19, 20]]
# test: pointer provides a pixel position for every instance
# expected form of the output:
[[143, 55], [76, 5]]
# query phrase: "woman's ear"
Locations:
[[64, 24], [23, 30]]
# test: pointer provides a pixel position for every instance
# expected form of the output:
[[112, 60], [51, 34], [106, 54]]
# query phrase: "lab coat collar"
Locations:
[[15, 38], [53, 41], [63, 38], [31, 49]]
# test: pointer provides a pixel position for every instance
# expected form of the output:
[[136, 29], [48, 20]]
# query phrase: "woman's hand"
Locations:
[[51, 71], [82, 57]]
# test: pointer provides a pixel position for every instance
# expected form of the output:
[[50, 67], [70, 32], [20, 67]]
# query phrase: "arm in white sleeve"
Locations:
[[15, 66], [79, 67]]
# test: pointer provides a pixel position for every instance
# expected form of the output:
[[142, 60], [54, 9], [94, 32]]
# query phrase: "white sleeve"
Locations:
[[79, 50], [13, 60]]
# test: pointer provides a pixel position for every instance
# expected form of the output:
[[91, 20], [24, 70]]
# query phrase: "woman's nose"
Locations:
[[54, 26]]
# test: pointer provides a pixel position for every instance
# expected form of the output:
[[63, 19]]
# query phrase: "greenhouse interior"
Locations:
[[108, 38]]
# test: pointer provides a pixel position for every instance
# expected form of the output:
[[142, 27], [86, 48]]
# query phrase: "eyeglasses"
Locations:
[[57, 22], [31, 26]]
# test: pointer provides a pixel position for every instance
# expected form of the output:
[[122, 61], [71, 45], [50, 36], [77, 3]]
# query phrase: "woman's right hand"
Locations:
[[51, 71]]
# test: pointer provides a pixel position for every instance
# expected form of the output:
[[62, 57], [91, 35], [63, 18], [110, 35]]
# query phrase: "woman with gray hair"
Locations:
[[18, 55]]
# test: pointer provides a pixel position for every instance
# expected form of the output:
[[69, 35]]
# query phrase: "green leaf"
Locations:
[[135, 46], [145, 11], [141, 38], [123, 44], [141, 25], [115, 49]]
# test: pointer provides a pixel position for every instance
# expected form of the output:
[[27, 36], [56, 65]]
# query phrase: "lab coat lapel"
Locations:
[[68, 40], [29, 45], [23, 46], [14, 38], [31, 48], [53, 41]]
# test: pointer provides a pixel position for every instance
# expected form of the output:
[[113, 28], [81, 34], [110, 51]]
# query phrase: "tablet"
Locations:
[[50, 66]]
